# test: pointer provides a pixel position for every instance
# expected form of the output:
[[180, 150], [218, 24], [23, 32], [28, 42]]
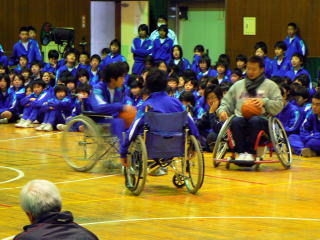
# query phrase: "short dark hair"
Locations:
[[85, 53], [173, 78], [189, 74], [23, 29], [135, 81], [188, 97], [298, 55], [115, 42], [301, 91], [304, 79], [95, 56], [224, 64], [60, 88], [241, 58], [237, 71], [156, 80], [199, 48], [316, 95], [37, 63], [261, 45], [193, 81], [6, 78], [224, 58], [292, 24], [283, 87], [256, 59], [84, 88], [281, 44], [31, 28], [20, 77], [213, 89], [113, 70], [164, 28], [70, 79], [24, 56], [83, 73], [105, 51], [53, 54], [162, 17], [213, 80], [205, 59], [39, 82], [143, 27]]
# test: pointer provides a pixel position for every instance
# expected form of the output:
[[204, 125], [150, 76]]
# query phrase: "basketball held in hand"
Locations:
[[250, 109], [128, 116]]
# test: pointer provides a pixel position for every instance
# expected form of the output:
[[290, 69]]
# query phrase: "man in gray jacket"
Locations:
[[264, 93]]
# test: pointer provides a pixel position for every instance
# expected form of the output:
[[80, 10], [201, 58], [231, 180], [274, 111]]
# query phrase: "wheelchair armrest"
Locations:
[[94, 114]]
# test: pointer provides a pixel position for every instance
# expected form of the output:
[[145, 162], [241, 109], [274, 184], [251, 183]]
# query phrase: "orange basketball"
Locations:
[[128, 116], [249, 109]]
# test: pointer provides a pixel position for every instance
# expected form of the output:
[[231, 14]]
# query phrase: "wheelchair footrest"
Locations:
[[242, 163]]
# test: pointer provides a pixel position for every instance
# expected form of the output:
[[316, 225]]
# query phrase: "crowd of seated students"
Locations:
[[33, 91]]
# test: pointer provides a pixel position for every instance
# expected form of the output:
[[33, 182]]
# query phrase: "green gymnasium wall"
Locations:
[[206, 27]]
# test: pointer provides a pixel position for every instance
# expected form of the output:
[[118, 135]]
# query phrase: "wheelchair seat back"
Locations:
[[166, 136]]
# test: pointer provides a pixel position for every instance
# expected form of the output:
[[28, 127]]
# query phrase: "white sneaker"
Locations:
[[35, 121], [20, 123], [27, 124], [245, 157], [61, 127], [48, 127], [249, 157], [41, 127]]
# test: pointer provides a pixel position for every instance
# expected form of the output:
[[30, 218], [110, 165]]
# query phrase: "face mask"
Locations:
[[159, 24]]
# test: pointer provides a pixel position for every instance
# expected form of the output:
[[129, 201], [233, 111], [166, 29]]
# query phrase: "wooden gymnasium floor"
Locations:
[[272, 203]]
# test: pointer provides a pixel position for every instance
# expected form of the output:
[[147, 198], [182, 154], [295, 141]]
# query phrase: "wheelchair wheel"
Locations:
[[221, 147], [82, 144], [280, 142], [194, 165], [136, 173], [178, 180]]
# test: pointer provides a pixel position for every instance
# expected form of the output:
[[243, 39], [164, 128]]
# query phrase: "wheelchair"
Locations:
[[166, 141], [275, 141], [85, 141]]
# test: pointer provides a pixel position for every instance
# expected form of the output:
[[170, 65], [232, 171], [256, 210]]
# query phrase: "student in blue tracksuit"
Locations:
[[84, 61], [190, 85], [32, 104], [134, 98], [83, 76], [297, 68], [8, 102], [304, 80], [281, 63], [198, 52], [261, 50], [301, 99], [70, 65], [222, 69], [141, 48], [94, 70], [307, 142], [225, 59], [294, 43], [19, 90], [114, 55], [108, 97], [178, 63], [209, 124], [241, 62], [158, 101], [3, 59], [290, 116], [172, 89], [55, 109], [25, 46], [52, 66], [190, 104], [162, 46], [205, 68], [23, 63]]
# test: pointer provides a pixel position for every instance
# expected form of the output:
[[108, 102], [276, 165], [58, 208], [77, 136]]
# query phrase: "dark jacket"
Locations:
[[55, 225]]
